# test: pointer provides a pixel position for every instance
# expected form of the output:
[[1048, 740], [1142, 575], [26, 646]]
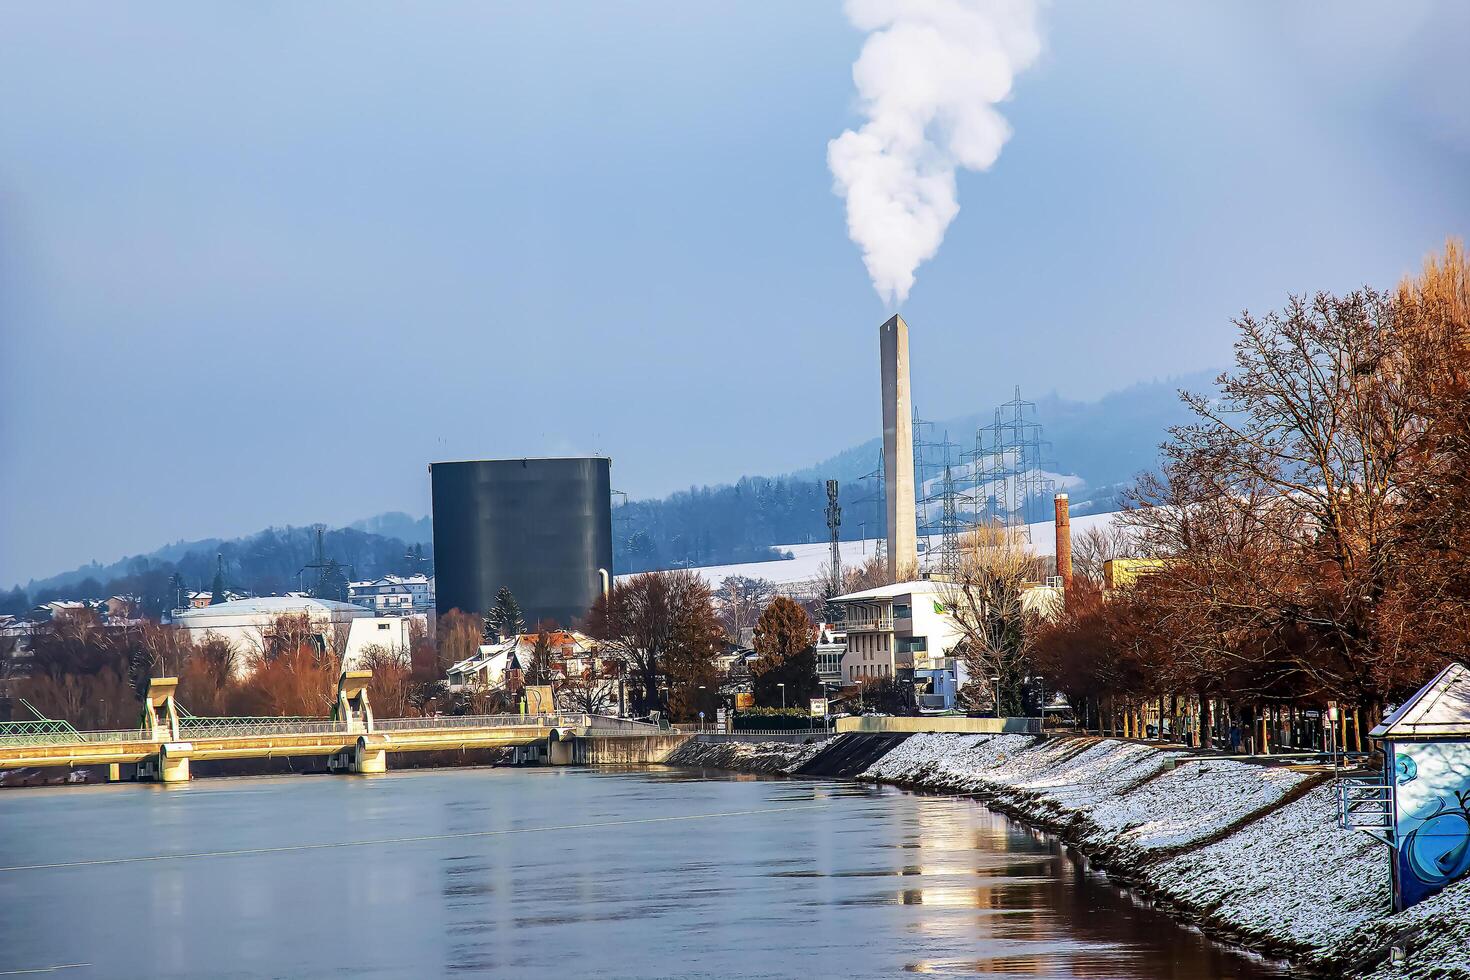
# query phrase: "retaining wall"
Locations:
[[945, 723], [626, 750]]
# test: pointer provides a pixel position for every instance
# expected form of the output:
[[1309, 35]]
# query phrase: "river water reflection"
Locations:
[[558, 872]]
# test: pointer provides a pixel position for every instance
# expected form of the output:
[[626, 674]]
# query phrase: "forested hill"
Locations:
[[1104, 443], [264, 563], [719, 525]]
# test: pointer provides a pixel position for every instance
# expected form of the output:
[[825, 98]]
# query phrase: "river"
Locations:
[[560, 872]]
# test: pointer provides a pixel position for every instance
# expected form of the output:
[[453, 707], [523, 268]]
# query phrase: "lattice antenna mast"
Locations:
[[834, 521]]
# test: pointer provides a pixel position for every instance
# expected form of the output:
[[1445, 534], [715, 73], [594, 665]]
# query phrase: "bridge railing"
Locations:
[[474, 721], [193, 727], [253, 728]]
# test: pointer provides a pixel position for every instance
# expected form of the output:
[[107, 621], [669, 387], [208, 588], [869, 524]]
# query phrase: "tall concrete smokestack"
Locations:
[[898, 447], [1064, 545]]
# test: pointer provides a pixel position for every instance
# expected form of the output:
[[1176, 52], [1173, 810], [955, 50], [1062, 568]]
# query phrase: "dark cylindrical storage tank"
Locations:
[[539, 527]]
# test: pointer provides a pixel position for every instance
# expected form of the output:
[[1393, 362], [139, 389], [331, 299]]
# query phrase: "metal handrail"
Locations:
[[1365, 804], [477, 721], [196, 727], [748, 732]]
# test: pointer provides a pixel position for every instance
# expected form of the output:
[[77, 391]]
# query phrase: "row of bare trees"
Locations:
[[1306, 531], [94, 675]]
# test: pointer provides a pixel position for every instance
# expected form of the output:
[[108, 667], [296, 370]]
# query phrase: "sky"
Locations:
[[261, 263]]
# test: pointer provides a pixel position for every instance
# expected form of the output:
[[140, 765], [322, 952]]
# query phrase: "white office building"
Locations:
[[902, 631], [393, 595]]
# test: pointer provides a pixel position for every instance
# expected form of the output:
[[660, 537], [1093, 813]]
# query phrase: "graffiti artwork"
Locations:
[[1432, 800]]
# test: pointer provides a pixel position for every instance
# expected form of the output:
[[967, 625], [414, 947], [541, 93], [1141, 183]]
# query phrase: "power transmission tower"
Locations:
[[1010, 483], [326, 569], [873, 493]]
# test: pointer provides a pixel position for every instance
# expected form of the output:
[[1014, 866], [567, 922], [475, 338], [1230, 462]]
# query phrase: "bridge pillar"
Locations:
[[170, 765], [368, 755], [372, 754], [558, 750]]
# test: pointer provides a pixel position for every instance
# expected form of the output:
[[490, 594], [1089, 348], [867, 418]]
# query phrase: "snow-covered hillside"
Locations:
[[808, 561]]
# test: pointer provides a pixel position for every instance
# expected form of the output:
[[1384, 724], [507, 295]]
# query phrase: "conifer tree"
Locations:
[[504, 618], [218, 589]]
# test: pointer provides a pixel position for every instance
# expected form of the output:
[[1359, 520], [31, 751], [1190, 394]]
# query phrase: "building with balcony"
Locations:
[[393, 595], [902, 631], [830, 646]]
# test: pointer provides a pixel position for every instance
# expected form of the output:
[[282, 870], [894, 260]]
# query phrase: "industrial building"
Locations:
[[541, 528], [247, 625]]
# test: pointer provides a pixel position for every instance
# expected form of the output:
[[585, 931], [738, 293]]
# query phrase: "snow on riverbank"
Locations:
[[1249, 850], [1292, 878], [776, 758], [1122, 797], [1435, 934]]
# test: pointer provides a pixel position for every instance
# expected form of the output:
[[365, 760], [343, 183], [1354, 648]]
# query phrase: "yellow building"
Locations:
[[1120, 573]]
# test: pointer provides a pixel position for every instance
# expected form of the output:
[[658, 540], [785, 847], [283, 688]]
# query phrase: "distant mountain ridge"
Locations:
[[1105, 443]]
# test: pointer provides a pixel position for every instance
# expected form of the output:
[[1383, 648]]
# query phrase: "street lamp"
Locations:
[[783, 696], [701, 711], [995, 690], [1332, 731]]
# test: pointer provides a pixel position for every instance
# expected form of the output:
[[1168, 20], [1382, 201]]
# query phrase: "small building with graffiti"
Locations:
[[1425, 792]]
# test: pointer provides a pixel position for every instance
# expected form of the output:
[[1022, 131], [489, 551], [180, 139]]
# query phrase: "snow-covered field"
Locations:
[[809, 559]]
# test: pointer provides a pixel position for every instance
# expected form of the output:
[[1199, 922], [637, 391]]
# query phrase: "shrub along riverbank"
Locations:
[[1249, 852]]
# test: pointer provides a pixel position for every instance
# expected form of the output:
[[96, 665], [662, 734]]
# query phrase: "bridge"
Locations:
[[352, 739]]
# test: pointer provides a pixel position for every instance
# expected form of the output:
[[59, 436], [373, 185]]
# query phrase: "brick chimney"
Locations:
[[1064, 546]]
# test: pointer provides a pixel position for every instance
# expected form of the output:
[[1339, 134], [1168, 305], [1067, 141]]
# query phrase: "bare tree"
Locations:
[[739, 601], [1096, 546], [392, 690], [985, 601], [593, 689], [663, 626], [1291, 483]]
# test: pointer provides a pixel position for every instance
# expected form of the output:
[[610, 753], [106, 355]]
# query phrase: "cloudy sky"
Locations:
[[261, 262]]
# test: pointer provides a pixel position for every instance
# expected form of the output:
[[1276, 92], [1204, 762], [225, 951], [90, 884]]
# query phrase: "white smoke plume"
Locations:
[[928, 79]]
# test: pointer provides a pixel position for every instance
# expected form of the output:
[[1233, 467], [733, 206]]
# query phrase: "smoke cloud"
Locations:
[[928, 79]]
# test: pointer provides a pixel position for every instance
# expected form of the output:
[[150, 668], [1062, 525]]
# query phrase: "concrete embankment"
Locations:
[[849, 755], [769, 757], [1250, 852]]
